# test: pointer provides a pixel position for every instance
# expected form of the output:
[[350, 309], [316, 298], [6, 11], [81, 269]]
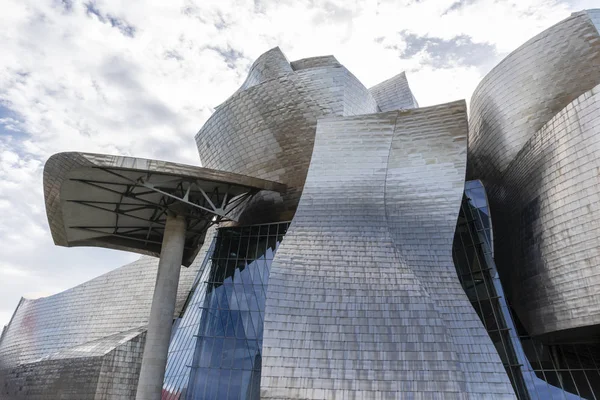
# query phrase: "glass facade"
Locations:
[[536, 370], [215, 352]]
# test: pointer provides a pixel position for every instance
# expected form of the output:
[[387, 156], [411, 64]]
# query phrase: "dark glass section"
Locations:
[[215, 352], [536, 370]]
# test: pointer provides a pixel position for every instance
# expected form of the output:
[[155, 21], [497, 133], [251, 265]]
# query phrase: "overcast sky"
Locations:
[[141, 77]]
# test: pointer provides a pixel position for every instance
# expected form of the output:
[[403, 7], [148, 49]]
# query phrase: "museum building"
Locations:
[[340, 242]]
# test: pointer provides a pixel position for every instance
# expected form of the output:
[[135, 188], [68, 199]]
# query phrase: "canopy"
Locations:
[[122, 202]]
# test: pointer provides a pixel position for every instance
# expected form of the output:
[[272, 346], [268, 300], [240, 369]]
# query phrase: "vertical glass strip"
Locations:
[[216, 351]]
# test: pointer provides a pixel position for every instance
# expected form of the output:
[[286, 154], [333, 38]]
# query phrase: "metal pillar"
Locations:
[[158, 336]]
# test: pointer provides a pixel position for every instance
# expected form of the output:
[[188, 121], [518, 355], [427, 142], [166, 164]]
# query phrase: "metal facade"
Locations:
[[363, 300], [47, 337], [394, 94], [105, 369], [267, 128], [534, 141]]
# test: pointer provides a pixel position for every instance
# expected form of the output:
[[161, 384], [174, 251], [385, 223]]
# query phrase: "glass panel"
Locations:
[[223, 387], [225, 357], [212, 387], [566, 381], [583, 386], [594, 381]]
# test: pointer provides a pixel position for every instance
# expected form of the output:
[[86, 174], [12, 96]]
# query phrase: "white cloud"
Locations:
[[9, 270], [140, 78]]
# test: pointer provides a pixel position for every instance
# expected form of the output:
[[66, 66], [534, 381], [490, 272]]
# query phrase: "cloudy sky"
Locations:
[[141, 77]]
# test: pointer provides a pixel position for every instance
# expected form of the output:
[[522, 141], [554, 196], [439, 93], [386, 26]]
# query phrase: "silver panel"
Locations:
[[538, 371], [553, 224], [527, 88], [106, 369], [315, 62], [594, 15], [533, 141], [80, 342], [86, 341], [267, 130], [394, 94], [363, 299], [114, 302], [269, 65]]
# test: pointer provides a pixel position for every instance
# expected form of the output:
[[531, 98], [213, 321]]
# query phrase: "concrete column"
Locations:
[[154, 360]]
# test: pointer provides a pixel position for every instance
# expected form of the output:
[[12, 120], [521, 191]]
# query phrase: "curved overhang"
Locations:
[[123, 202]]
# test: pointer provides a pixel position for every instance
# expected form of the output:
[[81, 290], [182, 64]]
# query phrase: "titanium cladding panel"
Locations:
[[105, 369], [87, 342], [528, 88], [394, 94], [363, 298], [111, 303], [533, 142], [267, 128], [554, 225]]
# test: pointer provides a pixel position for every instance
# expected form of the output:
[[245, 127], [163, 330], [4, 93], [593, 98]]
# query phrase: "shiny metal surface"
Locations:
[[363, 299], [87, 321], [554, 221], [105, 369], [267, 128], [394, 94], [526, 89], [534, 141]]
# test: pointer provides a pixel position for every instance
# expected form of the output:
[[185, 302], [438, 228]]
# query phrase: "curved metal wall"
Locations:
[[532, 142], [267, 129], [269, 65], [553, 225], [538, 371], [527, 88], [363, 298], [111, 303], [394, 94], [423, 192]]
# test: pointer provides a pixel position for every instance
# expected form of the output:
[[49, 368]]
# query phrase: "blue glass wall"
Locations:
[[215, 352], [185, 334], [563, 371]]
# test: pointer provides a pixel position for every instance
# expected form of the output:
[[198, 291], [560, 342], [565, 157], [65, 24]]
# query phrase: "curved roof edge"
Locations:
[[5, 327], [115, 202], [269, 65], [315, 62], [528, 88], [394, 94], [539, 36]]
